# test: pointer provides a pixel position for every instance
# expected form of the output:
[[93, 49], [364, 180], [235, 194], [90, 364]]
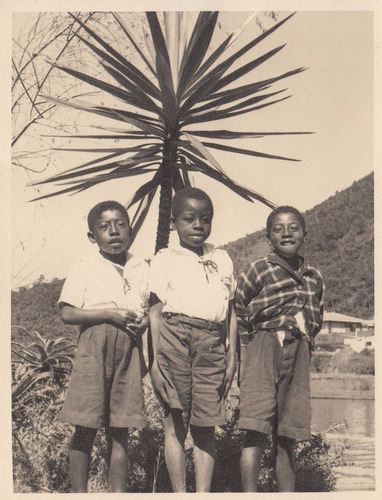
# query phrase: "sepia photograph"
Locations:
[[188, 300]]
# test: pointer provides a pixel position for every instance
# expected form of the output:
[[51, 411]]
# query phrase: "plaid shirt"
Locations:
[[270, 293]]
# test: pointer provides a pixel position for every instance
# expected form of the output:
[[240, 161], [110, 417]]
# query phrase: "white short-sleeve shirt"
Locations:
[[97, 283], [196, 286]]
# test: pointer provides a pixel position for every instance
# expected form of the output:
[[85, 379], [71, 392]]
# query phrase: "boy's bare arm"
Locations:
[[155, 317], [76, 316], [231, 353]]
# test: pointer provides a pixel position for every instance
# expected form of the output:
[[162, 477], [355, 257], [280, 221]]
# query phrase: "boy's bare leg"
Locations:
[[251, 453], [175, 432], [80, 458], [118, 466], [285, 464], [204, 456]]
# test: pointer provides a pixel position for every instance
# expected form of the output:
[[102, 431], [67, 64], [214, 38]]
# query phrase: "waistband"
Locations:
[[197, 322], [291, 331]]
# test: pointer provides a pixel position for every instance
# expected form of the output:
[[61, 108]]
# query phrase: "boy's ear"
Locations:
[[91, 237], [172, 224], [268, 239], [304, 238]]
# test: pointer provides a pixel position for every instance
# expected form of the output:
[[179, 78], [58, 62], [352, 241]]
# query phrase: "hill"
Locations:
[[340, 243]]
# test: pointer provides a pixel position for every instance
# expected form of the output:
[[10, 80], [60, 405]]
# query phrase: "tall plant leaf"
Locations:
[[241, 151], [220, 115], [158, 38], [198, 49], [125, 67], [131, 37], [169, 100]]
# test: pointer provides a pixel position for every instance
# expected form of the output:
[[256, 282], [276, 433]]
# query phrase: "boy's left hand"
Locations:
[[228, 377]]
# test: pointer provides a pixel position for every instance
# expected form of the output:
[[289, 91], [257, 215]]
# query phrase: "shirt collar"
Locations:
[[208, 250], [131, 261], [273, 258]]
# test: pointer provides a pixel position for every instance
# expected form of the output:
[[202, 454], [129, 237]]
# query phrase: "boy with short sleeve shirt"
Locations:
[[192, 290], [106, 296], [279, 302]]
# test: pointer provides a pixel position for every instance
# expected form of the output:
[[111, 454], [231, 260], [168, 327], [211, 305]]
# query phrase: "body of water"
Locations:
[[359, 414]]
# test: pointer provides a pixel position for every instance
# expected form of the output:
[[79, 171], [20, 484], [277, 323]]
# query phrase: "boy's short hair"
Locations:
[[285, 209], [96, 211], [189, 193]]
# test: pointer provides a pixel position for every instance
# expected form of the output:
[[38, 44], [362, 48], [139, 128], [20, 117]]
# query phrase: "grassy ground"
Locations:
[[342, 385]]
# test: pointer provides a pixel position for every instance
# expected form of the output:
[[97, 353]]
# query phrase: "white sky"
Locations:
[[333, 98]]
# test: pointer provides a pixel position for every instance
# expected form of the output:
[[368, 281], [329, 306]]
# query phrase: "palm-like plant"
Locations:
[[187, 87]]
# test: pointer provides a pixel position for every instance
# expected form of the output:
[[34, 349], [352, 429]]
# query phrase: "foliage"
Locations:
[[346, 360], [340, 243], [40, 368], [35, 308], [180, 82]]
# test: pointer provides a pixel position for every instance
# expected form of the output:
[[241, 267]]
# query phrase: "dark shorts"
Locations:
[[105, 387], [274, 387], [191, 356]]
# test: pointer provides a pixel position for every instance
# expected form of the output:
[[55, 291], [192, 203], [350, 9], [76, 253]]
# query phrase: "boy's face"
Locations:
[[286, 235], [193, 224], [111, 232]]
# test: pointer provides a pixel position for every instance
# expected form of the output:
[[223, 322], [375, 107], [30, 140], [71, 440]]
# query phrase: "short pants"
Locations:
[[105, 387], [192, 358], [274, 386]]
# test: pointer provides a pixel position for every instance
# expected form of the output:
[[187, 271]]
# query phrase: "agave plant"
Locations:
[[53, 355], [163, 116]]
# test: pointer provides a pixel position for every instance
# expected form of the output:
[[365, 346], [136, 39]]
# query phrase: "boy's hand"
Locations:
[[159, 384], [229, 373], [138, 327], [122, 317]]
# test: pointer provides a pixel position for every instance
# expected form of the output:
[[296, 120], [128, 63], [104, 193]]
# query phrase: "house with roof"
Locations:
[[347, 330], [341, 323]]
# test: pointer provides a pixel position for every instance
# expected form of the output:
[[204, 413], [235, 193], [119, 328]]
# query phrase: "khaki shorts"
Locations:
[[191, 356], [274, 386], [105, 388]]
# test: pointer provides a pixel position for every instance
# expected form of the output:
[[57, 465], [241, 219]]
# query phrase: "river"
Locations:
[[359, 414]]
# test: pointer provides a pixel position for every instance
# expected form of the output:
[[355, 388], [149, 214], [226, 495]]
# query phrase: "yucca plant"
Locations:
[[164, 115]]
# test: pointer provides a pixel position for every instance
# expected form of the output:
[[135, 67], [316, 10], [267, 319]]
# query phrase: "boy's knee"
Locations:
[[175, 427]]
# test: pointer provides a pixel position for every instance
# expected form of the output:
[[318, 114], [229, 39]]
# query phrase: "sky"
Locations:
[[333, 98]]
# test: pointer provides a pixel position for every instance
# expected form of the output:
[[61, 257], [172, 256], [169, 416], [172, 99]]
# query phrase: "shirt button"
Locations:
[[300, 301], [299, 287]]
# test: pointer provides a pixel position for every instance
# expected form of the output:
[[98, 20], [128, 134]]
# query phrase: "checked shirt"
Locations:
[[270, 293]]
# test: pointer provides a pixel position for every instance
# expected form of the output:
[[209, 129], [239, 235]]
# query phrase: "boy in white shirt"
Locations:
[[192, 289], [107, 296]]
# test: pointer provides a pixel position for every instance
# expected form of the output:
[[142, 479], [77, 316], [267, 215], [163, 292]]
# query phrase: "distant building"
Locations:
[[340, 323]]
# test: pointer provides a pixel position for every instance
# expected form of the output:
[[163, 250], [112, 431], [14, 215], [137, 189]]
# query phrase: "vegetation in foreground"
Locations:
[[41, 441]]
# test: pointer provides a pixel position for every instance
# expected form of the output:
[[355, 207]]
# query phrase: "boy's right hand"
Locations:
[[159, 384], [122, 317]]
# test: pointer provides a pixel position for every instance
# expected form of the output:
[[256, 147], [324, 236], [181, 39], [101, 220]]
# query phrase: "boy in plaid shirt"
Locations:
[[279, 301]]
